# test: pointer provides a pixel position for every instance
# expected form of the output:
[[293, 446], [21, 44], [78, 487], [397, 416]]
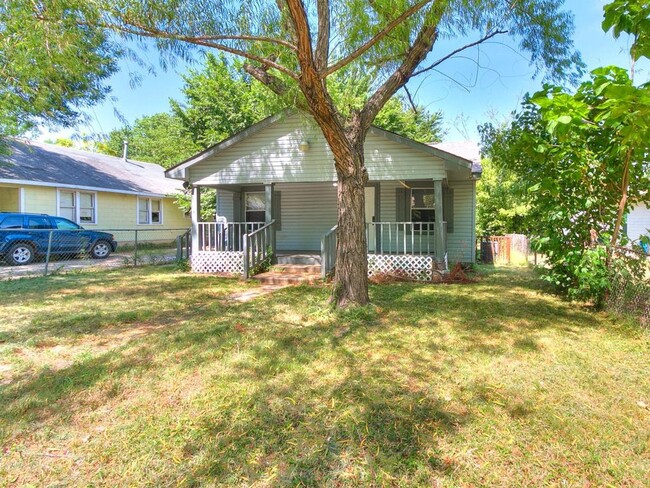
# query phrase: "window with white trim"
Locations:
[[149, 211], [78, 206]]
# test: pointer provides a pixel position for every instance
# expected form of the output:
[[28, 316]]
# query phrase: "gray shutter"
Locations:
[[237, 207], [277, 209], [402, 205], [448, 208]]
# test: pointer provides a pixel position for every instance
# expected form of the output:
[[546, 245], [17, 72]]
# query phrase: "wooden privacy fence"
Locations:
[[508, 249]]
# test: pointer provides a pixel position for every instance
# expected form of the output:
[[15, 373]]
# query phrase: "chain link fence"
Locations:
[[629, 294], [34, 252]]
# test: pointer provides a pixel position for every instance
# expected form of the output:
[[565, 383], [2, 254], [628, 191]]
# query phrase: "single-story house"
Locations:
[[638, 222], [93, 190], [276, 192]]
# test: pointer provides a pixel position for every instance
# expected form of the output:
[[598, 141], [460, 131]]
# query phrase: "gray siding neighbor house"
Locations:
[[276, 191]]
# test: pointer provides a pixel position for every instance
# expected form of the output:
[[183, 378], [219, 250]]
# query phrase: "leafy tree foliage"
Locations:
[[501, 202], [160, 138], [584, 159], [221, 100], [51, 71]]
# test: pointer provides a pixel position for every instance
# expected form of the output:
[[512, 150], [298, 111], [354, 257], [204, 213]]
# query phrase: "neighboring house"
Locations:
[[638, 222], [420, 200], [94, 190]]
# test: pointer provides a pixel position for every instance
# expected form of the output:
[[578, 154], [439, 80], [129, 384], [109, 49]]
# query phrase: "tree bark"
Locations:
[[351, 272]]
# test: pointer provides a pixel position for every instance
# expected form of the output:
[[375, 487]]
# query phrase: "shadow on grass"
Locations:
[[307, 397]]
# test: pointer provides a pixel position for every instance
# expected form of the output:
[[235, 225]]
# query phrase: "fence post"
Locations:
[[135, 249], [47, 255], [179, 248]]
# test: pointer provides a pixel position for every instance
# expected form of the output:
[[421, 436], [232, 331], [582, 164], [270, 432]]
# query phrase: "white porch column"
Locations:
[[268, 211], [196, 217], [439, 232]]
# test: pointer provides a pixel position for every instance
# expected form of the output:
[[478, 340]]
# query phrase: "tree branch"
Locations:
[[415, 55], [136, 29], [262, 75], [323, 41], [270, 40], [377, 37], [460, 49], [410, 98]]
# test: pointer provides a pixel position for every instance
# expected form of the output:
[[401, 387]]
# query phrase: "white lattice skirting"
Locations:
[[413, 266], [218, 262]]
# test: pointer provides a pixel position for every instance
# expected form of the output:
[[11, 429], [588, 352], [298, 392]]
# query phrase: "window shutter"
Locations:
[[237, 207], [277, 209], [402, 205], [448, 208]]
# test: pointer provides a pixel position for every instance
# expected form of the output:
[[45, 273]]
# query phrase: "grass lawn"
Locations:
[[154, 377]]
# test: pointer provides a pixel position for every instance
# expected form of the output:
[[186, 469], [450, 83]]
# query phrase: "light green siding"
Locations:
[[272, 155], [461, 243]]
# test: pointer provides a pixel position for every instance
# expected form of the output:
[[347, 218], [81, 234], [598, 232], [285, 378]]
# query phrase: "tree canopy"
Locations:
[[51, 71], [583, 160]]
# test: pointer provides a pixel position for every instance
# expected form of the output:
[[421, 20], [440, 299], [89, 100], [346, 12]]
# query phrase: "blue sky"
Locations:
[[489, 93]]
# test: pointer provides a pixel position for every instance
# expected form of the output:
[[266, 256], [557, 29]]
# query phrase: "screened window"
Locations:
[[423, 205], [255, 207], [67, 205], [78, 206], [149, 211], [86, 208]]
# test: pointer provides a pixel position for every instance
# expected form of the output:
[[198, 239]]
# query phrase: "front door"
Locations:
[[370, 217]]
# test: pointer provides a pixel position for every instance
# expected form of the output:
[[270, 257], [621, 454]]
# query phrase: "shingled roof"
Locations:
[[49, 165], [465, 149]]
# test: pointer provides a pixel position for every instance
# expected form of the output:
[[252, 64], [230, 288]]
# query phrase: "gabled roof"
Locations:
[[42, 164], [456, 160]]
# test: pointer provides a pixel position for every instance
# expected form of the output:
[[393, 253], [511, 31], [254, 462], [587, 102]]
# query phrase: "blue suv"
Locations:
[[24, 236]]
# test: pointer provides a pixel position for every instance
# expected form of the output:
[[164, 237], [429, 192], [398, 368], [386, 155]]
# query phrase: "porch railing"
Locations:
[[403, 237], [224, 236], [257, 247], [328, 252]]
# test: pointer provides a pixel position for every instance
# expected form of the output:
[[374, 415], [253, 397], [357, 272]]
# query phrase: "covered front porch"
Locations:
[[256, 223]]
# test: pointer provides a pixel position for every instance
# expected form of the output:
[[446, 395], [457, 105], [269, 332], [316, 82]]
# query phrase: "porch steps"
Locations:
[[296, 268], [289, 274], [299, 258]]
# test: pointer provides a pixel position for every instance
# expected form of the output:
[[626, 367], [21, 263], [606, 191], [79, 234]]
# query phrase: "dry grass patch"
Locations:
[[155, 378]]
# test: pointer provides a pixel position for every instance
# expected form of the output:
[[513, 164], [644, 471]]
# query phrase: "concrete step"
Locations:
[[296, 268], [279, 278], [298, 258]]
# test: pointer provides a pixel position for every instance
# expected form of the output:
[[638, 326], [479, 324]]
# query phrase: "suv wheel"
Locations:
[[20, 254], [101, 250]]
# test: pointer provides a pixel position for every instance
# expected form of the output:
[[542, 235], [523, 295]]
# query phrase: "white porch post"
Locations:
[[268, 211], [196, 218], [439, 231]]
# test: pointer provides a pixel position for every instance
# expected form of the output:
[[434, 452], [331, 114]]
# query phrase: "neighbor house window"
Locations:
[[255, 207], [78, 206], [149, 211], [422, 205]]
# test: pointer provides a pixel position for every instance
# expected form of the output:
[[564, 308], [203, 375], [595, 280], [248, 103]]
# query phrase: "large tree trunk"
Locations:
[[351, 272]]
